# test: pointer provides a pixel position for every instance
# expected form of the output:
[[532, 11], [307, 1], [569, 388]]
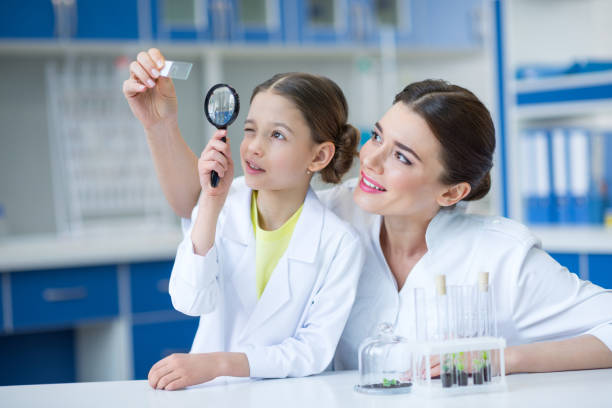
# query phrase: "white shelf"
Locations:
[[575, 239], [109, 247], [54, 47]]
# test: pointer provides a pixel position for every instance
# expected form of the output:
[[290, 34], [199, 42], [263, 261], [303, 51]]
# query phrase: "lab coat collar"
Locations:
[[310, 223]]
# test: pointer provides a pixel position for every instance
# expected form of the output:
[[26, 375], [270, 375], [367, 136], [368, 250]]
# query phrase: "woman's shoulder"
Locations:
[[487, 228]]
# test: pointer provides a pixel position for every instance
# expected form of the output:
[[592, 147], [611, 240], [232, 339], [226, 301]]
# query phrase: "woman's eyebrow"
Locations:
[[398, 144]]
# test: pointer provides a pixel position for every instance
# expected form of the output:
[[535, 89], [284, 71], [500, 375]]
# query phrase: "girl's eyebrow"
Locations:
[[284, 125], [278, 124], [400, 145]]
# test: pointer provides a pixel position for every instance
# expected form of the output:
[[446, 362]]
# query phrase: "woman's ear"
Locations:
[[323, 154], [453, 194]]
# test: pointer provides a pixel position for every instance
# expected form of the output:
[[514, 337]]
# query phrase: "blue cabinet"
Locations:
[[38, 358], [152, 342], [600, 270], [84, 19], [149, 286], [1, 305], [448, 24], [63, 297], [107, 20], [26, 19]]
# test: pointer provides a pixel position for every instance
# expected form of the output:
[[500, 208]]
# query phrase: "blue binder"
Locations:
[[537, 176], [560, 176]]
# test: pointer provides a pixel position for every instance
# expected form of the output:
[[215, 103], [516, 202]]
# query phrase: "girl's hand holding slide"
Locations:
[[151, 97]]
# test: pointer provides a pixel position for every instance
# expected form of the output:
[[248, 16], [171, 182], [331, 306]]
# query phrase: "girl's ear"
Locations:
[[453, 194], [323, 154]]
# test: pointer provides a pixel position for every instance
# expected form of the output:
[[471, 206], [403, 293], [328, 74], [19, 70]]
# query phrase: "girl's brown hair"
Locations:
[[324, 107], [464, 128]]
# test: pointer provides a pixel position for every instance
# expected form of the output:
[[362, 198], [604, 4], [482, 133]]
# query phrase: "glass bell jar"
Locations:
[[385, 363]]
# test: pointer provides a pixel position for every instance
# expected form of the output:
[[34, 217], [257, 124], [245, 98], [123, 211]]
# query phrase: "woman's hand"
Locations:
[[182, 370], [152, 98], [216, 156]]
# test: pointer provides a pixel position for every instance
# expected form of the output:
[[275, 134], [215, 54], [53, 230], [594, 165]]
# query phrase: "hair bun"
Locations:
[[346, 150]]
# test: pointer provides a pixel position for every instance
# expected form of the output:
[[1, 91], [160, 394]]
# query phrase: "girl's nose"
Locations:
[[255, 146]]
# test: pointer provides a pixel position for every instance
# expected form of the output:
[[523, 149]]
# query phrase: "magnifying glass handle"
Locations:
[[214, 177]]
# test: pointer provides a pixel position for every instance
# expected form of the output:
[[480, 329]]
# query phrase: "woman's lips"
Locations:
[[252, 168], [370, 186]]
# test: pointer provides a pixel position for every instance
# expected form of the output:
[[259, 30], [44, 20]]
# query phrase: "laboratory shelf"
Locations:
[[575, 239], [54, 47], [563, 96], [111, 246]]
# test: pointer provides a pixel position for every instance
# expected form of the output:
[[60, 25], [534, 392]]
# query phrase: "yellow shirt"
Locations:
[[269, 245]]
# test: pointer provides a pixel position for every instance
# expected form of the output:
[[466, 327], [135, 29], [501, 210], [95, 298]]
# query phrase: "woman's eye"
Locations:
[[278, 135], [376, 137], [402, 158]]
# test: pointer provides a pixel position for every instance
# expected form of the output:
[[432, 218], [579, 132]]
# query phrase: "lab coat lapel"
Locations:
[[238, 234], [298, 259]]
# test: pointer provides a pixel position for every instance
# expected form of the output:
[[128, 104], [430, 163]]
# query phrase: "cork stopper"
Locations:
[[441, 285], [483, 281]]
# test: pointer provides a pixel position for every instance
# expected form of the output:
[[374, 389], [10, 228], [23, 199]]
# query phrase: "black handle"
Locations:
[[214, 177]]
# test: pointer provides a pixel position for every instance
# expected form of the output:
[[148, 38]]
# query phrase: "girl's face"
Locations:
[[277, 147], [401, 167]]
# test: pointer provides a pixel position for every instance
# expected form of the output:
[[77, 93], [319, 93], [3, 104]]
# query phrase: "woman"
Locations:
[[428, 154]]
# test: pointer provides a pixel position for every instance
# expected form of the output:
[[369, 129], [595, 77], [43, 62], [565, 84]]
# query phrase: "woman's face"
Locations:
[[400, 166], [277, 146]]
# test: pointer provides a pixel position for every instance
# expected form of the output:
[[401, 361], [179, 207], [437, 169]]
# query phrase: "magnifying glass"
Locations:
[[221, 107]]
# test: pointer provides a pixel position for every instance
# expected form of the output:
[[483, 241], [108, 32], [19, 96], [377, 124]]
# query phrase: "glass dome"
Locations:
[[385, 363]]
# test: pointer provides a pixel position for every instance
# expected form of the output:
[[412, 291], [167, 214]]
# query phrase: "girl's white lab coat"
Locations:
[[536, 299], [293, 329]]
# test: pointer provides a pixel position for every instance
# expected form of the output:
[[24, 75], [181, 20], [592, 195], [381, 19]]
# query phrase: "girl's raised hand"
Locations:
[[151, 97], [216, 156]]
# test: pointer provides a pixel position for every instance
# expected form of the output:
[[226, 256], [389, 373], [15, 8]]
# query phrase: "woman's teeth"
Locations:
[[367, 183]]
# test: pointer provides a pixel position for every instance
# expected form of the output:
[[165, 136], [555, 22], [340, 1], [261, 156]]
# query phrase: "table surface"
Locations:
[[590, 388]]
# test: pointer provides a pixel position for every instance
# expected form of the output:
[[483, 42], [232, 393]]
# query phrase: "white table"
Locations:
[[586, 389]]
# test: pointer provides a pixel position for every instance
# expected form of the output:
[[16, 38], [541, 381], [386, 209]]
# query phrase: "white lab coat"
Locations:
[[293, 329], [536, 299]]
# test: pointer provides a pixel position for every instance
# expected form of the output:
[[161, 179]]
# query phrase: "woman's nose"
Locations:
[[373, 159]]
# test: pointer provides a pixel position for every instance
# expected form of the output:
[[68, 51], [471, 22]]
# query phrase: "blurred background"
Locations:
[[86, 238]]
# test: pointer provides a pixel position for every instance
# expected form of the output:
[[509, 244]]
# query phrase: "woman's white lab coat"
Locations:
[[293, 329], [536, 299]]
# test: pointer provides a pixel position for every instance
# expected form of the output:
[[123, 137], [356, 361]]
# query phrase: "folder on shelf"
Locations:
[[580, 174], [560, 177], [537, 176]]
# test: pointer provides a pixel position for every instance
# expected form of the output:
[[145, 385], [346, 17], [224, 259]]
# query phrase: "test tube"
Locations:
[[447, 368], [481, 371]]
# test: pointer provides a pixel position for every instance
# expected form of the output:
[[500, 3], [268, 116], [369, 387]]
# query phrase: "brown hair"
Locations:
[[325, 110], [464, 128]]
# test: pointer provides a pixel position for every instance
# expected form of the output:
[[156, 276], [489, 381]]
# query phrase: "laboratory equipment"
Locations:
[[385, 363], [221, 107]]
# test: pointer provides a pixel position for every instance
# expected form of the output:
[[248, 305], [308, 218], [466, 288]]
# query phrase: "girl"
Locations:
[[271, 272], [431, 152]]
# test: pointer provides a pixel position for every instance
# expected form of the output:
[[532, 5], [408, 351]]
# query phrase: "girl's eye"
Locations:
[[249, 130], [376, 137], [402, 158], [278, 135]]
